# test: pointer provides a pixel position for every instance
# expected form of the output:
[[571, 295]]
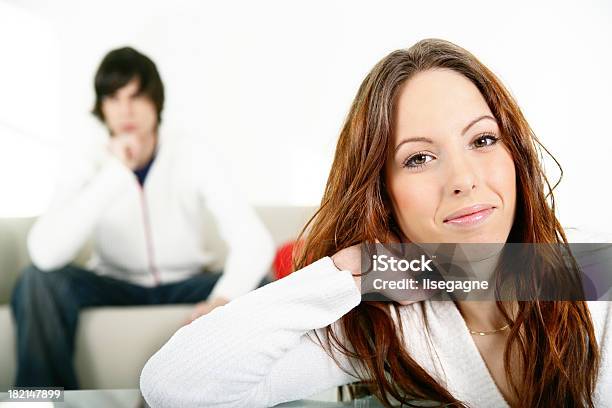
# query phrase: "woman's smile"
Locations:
[[470, 220]]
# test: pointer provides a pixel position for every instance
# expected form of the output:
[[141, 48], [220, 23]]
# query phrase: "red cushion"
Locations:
[[283, 264]]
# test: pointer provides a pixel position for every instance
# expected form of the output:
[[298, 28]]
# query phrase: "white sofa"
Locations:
[[114, 343]]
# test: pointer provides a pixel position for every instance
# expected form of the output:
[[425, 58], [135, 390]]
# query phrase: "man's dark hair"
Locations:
[[118, 68]]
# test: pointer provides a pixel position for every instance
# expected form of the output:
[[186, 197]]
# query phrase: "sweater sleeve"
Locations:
[[250, 245], [257, 350], [85, 189]]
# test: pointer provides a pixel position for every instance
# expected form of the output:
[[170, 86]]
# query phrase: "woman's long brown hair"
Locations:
[[555, 339]]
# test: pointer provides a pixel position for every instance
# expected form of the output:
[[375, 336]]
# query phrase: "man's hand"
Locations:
[[206, 307], [126, 148]]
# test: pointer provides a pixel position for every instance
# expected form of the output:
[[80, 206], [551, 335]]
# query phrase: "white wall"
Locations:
[[271, 81]]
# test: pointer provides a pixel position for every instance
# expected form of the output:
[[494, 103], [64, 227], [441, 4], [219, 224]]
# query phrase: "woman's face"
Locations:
[[446, 159]]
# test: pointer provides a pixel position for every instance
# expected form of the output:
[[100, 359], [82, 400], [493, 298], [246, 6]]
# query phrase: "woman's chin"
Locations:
[[474, 237]]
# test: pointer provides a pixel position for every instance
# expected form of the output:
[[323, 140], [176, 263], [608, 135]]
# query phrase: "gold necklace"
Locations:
[[484, 333]]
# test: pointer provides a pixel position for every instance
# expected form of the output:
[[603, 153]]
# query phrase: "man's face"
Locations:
[[127, 112], [454, 163]]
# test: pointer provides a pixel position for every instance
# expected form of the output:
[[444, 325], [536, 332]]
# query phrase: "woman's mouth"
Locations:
[[472, 219]]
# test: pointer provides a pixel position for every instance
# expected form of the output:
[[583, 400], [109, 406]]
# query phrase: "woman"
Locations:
[[431, 133]]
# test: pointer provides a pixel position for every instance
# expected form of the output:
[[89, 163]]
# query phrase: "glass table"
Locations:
[[131, 398]]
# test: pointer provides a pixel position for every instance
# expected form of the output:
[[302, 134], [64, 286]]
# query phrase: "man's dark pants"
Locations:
[[46, 308]]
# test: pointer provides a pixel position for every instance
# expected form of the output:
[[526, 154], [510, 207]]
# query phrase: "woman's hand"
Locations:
[[349, 259]]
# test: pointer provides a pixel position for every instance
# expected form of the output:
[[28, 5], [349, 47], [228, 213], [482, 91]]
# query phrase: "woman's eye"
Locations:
[[417, 160], [481, 141]]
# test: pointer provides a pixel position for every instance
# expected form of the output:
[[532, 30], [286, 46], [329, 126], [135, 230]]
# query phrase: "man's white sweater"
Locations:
[[152, 234]]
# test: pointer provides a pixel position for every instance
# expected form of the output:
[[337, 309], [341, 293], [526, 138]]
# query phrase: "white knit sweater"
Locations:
[[256, 352]]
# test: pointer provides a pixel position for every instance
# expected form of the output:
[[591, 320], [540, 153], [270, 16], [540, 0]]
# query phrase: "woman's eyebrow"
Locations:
[[465, 129], [428, 140]]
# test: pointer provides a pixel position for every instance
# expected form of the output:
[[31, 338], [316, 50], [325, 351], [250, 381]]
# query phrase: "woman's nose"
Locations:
[[462, 177]]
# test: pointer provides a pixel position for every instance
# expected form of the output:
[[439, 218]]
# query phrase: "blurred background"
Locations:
[[270, 82]]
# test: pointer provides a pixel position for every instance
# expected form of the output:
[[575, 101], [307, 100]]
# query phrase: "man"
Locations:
[[141, 200]]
